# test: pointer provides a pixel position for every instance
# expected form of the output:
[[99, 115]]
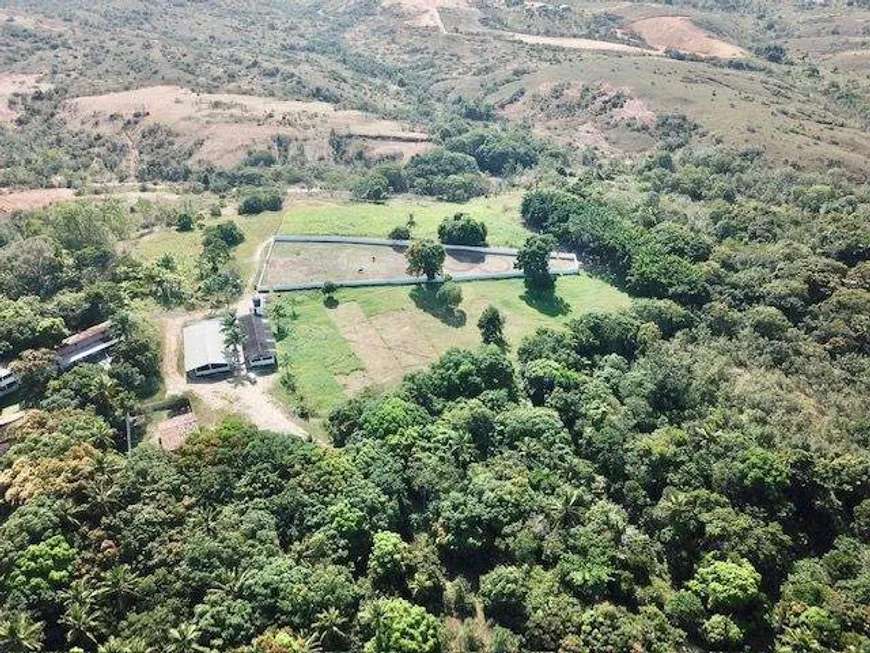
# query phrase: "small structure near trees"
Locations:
[[92, 345], [204, 350], [258, 344]]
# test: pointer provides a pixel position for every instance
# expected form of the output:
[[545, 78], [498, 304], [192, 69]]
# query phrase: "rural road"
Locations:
[[250, 397]]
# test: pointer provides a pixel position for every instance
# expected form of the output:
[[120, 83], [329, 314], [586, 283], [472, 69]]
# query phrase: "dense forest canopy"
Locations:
[[687, 472]]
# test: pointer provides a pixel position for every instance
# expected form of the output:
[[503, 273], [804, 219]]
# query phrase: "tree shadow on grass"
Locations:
[[546, 302], [330, 302], [425, 298]]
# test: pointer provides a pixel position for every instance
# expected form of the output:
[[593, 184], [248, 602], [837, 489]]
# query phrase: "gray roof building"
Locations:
[[259, 345], [204, 351], [8, 381], [92, 345]]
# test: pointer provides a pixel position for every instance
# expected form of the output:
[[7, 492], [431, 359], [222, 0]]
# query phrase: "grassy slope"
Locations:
[[185, 247], [317, 353], [319, 217]]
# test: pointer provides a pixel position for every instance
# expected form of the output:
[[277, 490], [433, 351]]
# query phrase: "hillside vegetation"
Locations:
[[668, 453]]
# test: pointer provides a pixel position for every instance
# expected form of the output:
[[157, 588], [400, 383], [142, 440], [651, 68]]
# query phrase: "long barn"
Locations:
[[204, 350]]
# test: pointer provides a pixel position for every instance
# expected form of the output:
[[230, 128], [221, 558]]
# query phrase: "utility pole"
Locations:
[[129, 443]]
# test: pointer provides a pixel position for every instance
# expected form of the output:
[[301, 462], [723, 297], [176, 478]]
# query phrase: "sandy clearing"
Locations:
[[223, 127], [12, 83], [573, 43], [389, 345], [680, 33], [28, 200], [634, 110], [375, 354], [297, 263], [425, 13]]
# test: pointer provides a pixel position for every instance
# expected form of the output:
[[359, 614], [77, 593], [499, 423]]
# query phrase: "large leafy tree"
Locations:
[[425, 258], [534, 260]]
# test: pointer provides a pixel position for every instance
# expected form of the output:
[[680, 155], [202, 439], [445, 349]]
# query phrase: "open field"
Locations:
[[326, 216], [680, 33], [299, 263], [185, 246], [376, 335], [12, 84], [28, 200], [223, 127], [573, 43]]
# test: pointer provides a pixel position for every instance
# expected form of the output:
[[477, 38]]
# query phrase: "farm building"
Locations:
[[259, 344], [8, 381], [204, 353], [92, 345]]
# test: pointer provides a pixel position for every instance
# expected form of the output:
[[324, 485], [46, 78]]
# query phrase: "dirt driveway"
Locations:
[[249, 397]]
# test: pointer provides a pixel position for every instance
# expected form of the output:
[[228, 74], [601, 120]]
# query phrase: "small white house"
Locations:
[[8, 381], [93, 345]]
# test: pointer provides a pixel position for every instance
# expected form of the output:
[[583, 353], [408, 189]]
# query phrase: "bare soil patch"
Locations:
[[223, 127], [28, 200], [367, 343], [680, 33], [572, 43], [634, 110], [389, 345], [299, 263], [12, 84], [425, 13]]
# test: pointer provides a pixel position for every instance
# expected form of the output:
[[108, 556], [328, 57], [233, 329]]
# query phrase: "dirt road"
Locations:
[[249, 397]]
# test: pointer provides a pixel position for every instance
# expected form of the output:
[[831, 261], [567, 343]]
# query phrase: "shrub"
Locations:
[[462, 229], [256, 203], [399, 233], [449, 295], [185, 221], [371, 188]]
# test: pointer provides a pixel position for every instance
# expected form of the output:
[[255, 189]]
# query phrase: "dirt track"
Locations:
[[250, 396]]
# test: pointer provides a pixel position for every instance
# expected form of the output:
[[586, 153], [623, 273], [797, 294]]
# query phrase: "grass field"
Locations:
[[186, 246], [344, 218], [376, 335]]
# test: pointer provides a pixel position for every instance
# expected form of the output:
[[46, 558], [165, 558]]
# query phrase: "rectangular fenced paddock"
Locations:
[[305, 262]]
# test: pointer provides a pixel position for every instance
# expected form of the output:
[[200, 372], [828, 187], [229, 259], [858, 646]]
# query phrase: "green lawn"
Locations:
[[344, 218], [185, 246], [316, 352], [319, 355]]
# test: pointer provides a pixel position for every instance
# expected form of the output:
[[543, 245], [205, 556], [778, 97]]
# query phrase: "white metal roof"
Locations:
[[203, 345]]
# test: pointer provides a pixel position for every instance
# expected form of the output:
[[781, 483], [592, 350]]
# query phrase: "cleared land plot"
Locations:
[[28, 200], [328, 216], [572, 43], [680, 33], [296, 263], [12, 84], [223, 127], [376, 335]]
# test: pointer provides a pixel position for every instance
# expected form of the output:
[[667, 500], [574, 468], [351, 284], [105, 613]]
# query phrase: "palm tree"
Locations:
[[233, 339], [115, 645], [185, 639], [83, 623], [329, 627], [20, 634], [121, 584]]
